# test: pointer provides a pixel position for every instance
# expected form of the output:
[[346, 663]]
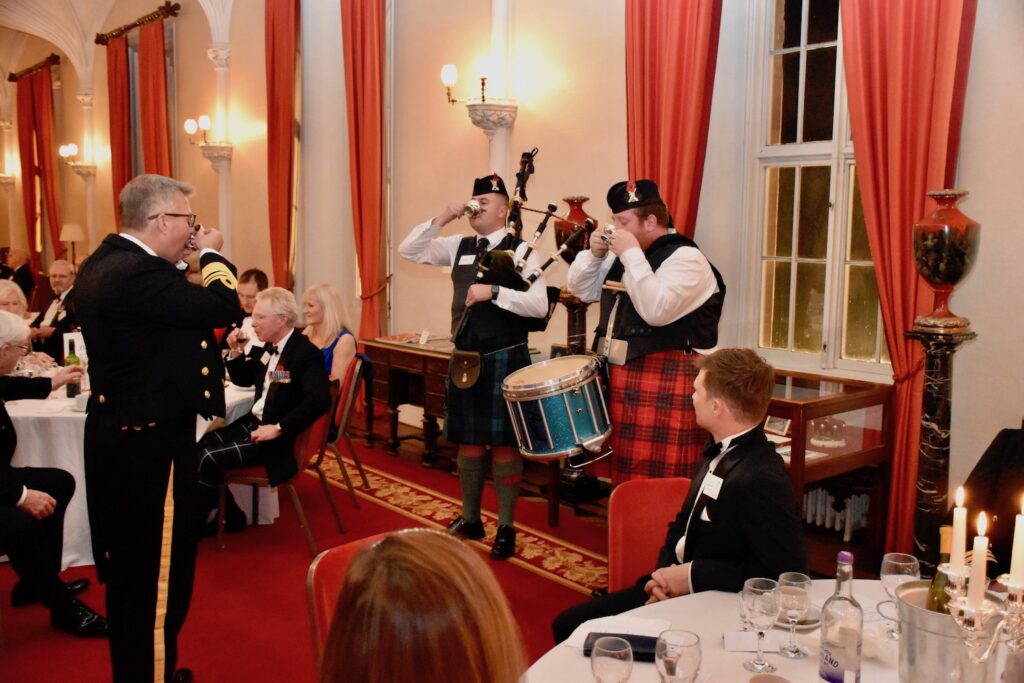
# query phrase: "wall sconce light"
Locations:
[[69, 153], [489, 116], [194, 125]]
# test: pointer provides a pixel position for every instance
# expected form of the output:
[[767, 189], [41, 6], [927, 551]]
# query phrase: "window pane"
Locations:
[[778, 228], [859, 248], [810, 307], [775, 305], [786, 29], [860, 328], [822, 21], [814, 208], [785, 87], [819, 94]]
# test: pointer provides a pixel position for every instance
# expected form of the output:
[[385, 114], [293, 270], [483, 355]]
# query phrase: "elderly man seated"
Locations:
[[292, 391], [59, 316]]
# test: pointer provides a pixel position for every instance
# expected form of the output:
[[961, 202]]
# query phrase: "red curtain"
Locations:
[[906, 67], [362, 23], [156, 141], [37, 153], [281, 30], [120, 118], [671, 51]]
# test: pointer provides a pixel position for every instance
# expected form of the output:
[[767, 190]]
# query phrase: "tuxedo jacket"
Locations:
[[62, 323], [750, 530], [293, 402], [148, 332], [12, 389]]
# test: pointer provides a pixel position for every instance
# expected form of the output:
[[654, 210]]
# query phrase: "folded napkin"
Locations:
[[746, 641], [618, 624]]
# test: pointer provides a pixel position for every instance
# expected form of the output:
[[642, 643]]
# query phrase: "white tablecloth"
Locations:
[[52, 434], [710, 614]]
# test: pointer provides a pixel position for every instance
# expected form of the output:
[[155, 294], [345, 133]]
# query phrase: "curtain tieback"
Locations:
[[909, 374], [379, 289]]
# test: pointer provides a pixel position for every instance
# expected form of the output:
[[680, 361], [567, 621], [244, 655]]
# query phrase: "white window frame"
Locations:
[[839, 153]]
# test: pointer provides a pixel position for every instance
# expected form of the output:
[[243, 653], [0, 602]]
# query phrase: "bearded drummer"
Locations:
[[491, 321], [662, 299]]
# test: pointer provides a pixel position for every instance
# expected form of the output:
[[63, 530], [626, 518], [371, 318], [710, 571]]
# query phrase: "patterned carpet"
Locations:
[[541, 553]]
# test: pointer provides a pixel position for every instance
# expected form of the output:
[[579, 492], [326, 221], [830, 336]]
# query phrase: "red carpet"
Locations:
[[248, 620]]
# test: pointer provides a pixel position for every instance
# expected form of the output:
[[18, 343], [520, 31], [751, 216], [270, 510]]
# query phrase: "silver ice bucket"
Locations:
[[932, 647]]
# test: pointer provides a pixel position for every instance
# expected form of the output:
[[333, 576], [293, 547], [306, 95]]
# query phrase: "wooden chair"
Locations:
[[306, 445], [639, 512], [323, 583]]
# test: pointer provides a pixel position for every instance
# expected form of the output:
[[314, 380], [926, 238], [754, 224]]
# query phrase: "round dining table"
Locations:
[[710, 614]]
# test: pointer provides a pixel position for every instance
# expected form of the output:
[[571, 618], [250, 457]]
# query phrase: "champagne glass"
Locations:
[[677, 656], [761, 604], [611, 660], [897, 568], [794, 597]]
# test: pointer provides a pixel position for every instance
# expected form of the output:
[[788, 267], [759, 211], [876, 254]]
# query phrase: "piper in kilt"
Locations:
[[667, 299], [492, 321]]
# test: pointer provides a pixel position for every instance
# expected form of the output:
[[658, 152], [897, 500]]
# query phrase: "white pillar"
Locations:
[[218, 152], [88, 167]]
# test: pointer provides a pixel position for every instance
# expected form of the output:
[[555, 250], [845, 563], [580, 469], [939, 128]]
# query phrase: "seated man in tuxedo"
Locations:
[[292, 391], [739, 518], [250, 283], [59, 317]]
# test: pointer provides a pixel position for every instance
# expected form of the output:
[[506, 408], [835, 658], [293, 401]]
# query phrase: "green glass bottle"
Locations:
[[938, 598], [74, 387]]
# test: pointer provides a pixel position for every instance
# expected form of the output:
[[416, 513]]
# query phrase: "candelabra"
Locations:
[[984, 624]]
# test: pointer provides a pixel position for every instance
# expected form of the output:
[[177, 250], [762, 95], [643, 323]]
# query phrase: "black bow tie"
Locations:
[[712, 450], [270, 348]]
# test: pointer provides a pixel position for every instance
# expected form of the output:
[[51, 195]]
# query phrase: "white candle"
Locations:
[[1017, 559], [979, 579], [959, 547]]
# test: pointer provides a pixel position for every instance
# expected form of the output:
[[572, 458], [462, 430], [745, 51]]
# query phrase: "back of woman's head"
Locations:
[[13, 328], [422, 606]]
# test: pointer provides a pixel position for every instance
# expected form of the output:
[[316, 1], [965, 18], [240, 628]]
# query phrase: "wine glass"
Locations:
[[795, 599], [744, 624], [677, 656], [897, 568], [611, 660], [761, 604]]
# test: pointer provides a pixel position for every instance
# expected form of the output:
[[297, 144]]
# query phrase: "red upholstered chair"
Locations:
[[311, 442], [639, 512], [323, 584]]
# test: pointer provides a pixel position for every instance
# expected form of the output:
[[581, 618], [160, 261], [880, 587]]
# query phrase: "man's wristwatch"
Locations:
[[494, 292]]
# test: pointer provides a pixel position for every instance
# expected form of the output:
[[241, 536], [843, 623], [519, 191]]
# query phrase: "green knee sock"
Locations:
[[471, 476], [507, 475]]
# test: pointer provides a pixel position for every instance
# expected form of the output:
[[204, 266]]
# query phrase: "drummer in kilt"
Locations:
[[489, 327], [669, 302]]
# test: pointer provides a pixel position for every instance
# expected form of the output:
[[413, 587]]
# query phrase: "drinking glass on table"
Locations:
[[897, 568], [795, 598], [611, 660], [761, 604], [677, 656]]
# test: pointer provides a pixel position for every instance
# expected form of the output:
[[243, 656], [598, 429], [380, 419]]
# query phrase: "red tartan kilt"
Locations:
[[654, 428]]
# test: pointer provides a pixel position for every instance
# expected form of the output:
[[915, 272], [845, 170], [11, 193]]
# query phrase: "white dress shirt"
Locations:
[[54, 309], [257, 407]]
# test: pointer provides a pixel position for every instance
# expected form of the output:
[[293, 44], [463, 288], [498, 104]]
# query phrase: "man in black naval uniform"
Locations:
[[153, 365]]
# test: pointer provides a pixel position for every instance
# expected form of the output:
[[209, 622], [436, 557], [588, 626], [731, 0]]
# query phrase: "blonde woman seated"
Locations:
[[422, 606], [327, 326], [12, 300]]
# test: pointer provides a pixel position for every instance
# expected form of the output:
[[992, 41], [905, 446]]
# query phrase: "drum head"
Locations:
[[548, 377]]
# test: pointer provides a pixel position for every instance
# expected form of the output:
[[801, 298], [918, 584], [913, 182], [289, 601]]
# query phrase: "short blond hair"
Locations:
[[281, 302], [8, 288]]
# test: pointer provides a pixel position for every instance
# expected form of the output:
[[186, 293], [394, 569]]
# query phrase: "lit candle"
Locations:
[[979, 580], [1017, 559], [959, 548]]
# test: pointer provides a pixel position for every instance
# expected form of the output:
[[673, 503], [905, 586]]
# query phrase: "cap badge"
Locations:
[[631, 191], [494, 183]]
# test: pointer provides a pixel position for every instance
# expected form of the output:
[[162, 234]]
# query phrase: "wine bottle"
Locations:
[[938, 598], [842, 625], [73, 387]]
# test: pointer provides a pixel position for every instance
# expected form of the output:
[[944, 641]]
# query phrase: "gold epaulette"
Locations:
[[219, 272]]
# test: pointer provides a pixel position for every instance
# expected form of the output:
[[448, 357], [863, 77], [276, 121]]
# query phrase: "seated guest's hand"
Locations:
[[68, 373], [43, 332], [668, 582], [38, 504], [237, 339], [265, 433], [44, 358]]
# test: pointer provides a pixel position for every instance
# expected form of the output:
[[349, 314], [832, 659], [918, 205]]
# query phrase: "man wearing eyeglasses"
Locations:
[[153, 365], [50, 325]]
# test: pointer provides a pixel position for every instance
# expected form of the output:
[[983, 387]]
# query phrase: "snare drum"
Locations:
[[557, 407]]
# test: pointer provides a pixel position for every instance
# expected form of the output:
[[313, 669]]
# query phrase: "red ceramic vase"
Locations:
[[564, 227], [945, 249]]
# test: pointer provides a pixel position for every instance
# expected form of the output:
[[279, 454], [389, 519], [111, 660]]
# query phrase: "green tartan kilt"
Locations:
[[479, 415]]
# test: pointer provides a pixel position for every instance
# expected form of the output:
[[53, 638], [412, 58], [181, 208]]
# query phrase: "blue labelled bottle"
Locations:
[[842, 626]]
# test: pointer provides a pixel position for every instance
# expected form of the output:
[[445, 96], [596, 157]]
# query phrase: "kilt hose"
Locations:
[[654, 429], [479, 415], [142, 485]]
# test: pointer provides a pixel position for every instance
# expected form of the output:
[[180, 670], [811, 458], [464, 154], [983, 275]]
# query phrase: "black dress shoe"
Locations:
[[183, 676], [504, 543], [21, 596], [78, 619], [474, 531]]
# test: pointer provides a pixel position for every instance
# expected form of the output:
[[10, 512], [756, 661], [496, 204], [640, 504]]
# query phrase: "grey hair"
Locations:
[[62, 262], [281, 302], [13, 328], [144, 194], [7, 287]]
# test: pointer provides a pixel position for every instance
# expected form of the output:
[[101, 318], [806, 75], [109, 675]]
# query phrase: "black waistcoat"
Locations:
[[697, 330], [488, 327]]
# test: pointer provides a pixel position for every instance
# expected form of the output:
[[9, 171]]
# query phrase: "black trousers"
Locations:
[[34, 546], [145, 532], [604, 606]]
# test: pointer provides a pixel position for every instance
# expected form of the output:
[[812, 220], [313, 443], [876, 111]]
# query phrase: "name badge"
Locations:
[[467, 259], [265, 358], [281, 376], [712, 485]]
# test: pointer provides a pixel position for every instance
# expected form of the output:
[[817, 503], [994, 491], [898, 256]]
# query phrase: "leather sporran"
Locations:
[[464, 368]]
